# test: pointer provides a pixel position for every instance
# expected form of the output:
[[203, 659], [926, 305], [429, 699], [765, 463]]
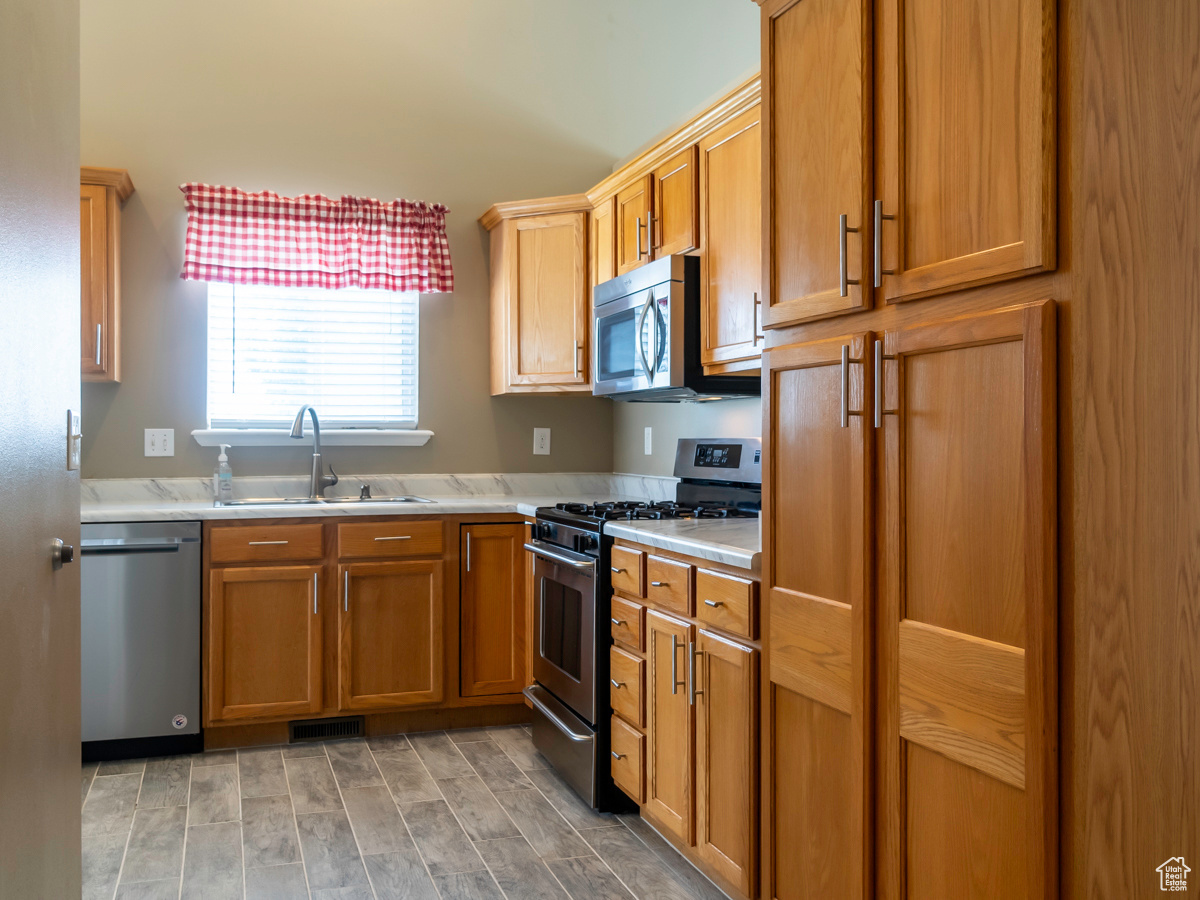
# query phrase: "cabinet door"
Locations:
[[95, 321], [670, 722], [816, 108], [492, 618], [633, 225], [389, 634], [604, 242], [817, 621], [675, 226], [731, 258], [549, 308], [968, 713], [965, 118], [264, 642], [727, 759]]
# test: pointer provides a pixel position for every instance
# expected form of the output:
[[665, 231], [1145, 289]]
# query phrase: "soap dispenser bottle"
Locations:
[[223, 478]]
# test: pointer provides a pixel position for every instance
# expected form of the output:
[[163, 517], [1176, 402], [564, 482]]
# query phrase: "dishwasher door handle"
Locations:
[[123, 546]]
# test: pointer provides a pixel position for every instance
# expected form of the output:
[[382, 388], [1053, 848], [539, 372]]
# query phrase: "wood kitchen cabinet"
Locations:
[[633, 224], [942, 782], [730, 160], [264, 642], [101, 193], [675, 216], [541, 301], [492, 609], [603, 238], [670, 728], [390, 637]]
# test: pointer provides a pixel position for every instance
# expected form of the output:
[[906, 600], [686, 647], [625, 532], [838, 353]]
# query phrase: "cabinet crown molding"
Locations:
[[515, 209], [118, 179]]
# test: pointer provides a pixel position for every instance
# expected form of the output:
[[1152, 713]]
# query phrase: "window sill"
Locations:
[[331, 437]]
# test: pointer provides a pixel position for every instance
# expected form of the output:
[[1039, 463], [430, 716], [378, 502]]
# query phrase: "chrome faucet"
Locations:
[[319, 480]]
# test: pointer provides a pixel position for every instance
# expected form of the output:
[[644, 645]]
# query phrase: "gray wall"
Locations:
[[462, 103]]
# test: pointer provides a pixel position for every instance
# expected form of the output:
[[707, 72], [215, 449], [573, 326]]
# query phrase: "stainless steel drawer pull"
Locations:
[[618, 621], [266, 543], [659, 583], [844, 279], [714, 603], [314, 592], [847, 412], [880, 218], [99, 342], [676, 684], [617, 684], [880, 412], [346, 591], [616, 755], [615, 570], [396, 537]]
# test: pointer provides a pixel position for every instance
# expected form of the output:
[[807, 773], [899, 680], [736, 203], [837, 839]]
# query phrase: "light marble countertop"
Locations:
[[735, 542]]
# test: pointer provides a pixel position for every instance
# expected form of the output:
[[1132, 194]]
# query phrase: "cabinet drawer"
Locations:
[[628, 568], [727, 602], [669, 584], [265, 543], [627, 676], [366, 540], [629, 760], [628, 622]]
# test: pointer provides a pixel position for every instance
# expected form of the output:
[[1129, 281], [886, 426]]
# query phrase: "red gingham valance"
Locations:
[[313, 241]]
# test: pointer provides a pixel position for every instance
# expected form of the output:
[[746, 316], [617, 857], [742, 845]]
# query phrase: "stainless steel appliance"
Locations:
[[573, 602], [140, 627], [647, 337]]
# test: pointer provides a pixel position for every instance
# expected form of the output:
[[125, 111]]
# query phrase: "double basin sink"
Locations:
[[318, 501]]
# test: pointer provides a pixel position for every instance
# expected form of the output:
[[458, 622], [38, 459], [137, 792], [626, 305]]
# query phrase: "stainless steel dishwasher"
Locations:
[[140, 639]]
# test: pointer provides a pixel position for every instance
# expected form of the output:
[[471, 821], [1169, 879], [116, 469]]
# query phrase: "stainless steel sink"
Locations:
[[309, 501]]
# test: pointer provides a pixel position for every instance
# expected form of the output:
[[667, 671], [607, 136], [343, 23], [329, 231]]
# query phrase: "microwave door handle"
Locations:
[[659, 352], [642, 344]]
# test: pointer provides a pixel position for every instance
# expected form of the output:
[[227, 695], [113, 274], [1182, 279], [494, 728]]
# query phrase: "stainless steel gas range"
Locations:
[[573, 593]]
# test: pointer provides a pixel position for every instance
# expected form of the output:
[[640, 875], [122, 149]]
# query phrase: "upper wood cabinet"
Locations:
[[101, 193], [263, 641], [816, 89], [675, 216], [730, 161], [965, 107], [633, 225], [541, 302], [604, 243], [492, 609], [390, 635]]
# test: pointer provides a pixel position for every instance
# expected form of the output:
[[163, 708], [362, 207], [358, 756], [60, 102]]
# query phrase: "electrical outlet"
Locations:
[[649, 439], [160, 442], [541, 442]]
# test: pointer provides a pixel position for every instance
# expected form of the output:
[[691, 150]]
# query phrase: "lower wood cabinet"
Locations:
[[264, 642], [670, 727], [726, 692], [492, 626], [390, 634]]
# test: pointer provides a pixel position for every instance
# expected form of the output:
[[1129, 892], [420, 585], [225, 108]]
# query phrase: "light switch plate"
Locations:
[[74, 440], [160, 442], [649, 441], [541, 442]]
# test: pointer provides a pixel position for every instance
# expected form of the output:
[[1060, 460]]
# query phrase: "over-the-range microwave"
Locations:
[[646, 337]]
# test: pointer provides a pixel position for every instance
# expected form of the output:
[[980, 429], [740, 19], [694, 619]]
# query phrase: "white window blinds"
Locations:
[[352, 354]]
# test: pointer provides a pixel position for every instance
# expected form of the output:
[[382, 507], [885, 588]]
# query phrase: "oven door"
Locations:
[[564, 661], [632, 341]]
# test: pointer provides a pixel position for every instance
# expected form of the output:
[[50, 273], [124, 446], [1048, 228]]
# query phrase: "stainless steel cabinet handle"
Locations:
[[617, 684], [847, 412], [714, 603], [314, 593], [675, 682], [395, 537], [616, 755], [758, 335], [659, 583], [843, 274], [578, 359], [880, 271], [618, 622], [880, 412], [468, 551], [615, 570], [651, 244], [266, 543], [638, 237], [346, 591], [99, 333], [693, 691]]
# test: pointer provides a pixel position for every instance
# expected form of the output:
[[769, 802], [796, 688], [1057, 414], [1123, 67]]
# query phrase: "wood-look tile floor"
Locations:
[[474, 814]]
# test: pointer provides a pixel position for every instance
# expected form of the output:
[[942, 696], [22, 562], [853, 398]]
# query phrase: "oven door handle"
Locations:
[[531, 694], [539, 549]]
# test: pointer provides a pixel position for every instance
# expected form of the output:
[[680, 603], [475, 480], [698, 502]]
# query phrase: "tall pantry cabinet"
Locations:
[[909, 548]]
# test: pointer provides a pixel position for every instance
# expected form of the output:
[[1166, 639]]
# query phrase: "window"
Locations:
[[351, 353]]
